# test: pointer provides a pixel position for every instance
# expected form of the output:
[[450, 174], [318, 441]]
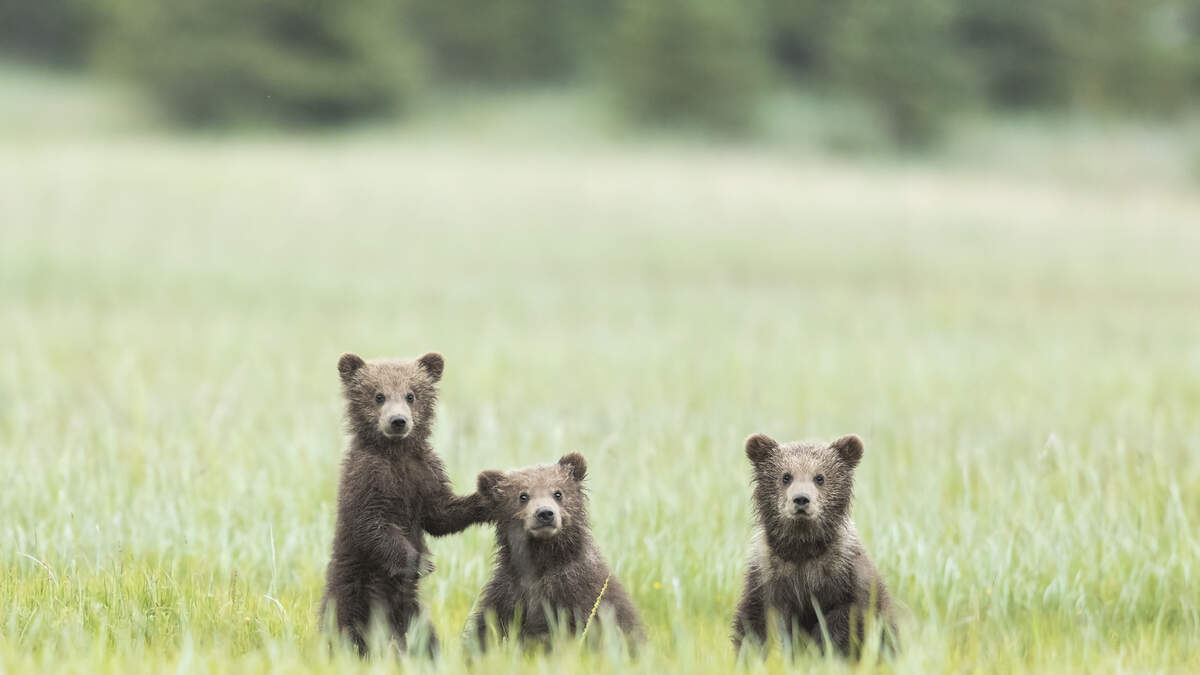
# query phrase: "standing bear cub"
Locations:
[[806, 553], [393, 489], [549, 572]]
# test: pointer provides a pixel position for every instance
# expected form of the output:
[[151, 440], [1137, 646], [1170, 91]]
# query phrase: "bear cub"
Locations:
[[549, 571], [806, 552], [393, 490]]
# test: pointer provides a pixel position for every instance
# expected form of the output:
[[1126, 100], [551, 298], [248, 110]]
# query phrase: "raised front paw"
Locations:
[[406, 560], [415, 565]]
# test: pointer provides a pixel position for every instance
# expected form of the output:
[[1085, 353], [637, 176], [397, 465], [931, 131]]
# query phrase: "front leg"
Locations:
[[536, 623], [383, 541], [845, 627], [496, 605], [408, 561], [448, 513], [750, 621]]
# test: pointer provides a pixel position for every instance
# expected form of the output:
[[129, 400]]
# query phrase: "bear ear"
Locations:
[[849, 448], [575, 465], [349, 364], [487, 483], [433, 364], [759, 447]]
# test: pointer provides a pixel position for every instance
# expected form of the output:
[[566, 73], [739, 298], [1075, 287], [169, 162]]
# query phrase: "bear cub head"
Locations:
[[803, 490], [390, 400], [540, 503]]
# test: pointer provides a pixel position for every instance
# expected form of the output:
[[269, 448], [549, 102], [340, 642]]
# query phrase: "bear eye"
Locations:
[[410, 398], [379, 398], [787, 478], [820, 479], [524, 497], [558, 495]]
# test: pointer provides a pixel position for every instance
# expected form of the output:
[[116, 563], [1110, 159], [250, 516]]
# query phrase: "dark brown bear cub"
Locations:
[[806, 553], [393, 490], [549, 572]]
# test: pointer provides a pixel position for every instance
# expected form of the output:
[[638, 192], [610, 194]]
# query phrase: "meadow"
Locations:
[[1019, 347]]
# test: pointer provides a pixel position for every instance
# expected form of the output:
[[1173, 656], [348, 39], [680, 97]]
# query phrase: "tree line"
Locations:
[[708, 63]]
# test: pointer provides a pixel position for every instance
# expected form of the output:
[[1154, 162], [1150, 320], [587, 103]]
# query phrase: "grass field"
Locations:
[[1020, 352]]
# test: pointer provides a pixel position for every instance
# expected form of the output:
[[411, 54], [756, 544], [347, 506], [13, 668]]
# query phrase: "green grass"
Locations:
[[1021, 355]]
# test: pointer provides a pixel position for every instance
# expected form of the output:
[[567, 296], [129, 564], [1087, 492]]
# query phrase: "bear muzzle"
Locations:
[[543, 522], [799, 502], [395, 421]]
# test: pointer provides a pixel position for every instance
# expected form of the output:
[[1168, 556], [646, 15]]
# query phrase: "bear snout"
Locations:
[[395, 423], [799, 501], [396, 419], [543, 521], [803, 507]]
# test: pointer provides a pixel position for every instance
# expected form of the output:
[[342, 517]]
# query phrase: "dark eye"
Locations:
[[379, 398], [819, 480], [787, 478], [524, 498], [410, 398], [558, 495]]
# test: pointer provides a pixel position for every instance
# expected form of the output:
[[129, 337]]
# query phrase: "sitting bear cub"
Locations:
[[549, 571], [806, 553]]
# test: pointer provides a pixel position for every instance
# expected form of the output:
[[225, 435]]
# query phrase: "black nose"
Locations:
[[544, 516], [398, 422], [801, 500]]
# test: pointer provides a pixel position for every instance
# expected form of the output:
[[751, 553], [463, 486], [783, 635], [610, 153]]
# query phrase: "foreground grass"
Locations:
[[1022, 359]]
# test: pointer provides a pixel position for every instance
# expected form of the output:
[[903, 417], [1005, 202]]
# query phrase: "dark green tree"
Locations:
[[902, 57], [498, 40], [1134, 56], [1021, 50], [267, 61], [692, 61], [800, 35], [58, 32]]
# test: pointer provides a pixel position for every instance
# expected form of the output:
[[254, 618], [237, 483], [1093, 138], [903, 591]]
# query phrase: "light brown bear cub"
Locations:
[[393, 491], [806, 553], [549, 570]]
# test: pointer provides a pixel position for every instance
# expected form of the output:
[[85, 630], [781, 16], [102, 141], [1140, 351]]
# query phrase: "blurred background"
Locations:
[[641, 229]]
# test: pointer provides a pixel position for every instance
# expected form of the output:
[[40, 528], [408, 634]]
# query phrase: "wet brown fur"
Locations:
[[539, 583], [800, 563], [392, 491]]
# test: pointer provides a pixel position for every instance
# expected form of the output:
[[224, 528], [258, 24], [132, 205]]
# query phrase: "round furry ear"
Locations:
[[349, 364], [487, 482], [575, 465], [759, 447], [433, 364], [849, 448]]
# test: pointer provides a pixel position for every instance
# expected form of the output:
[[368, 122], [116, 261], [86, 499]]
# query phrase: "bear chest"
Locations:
[[793, 588]]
